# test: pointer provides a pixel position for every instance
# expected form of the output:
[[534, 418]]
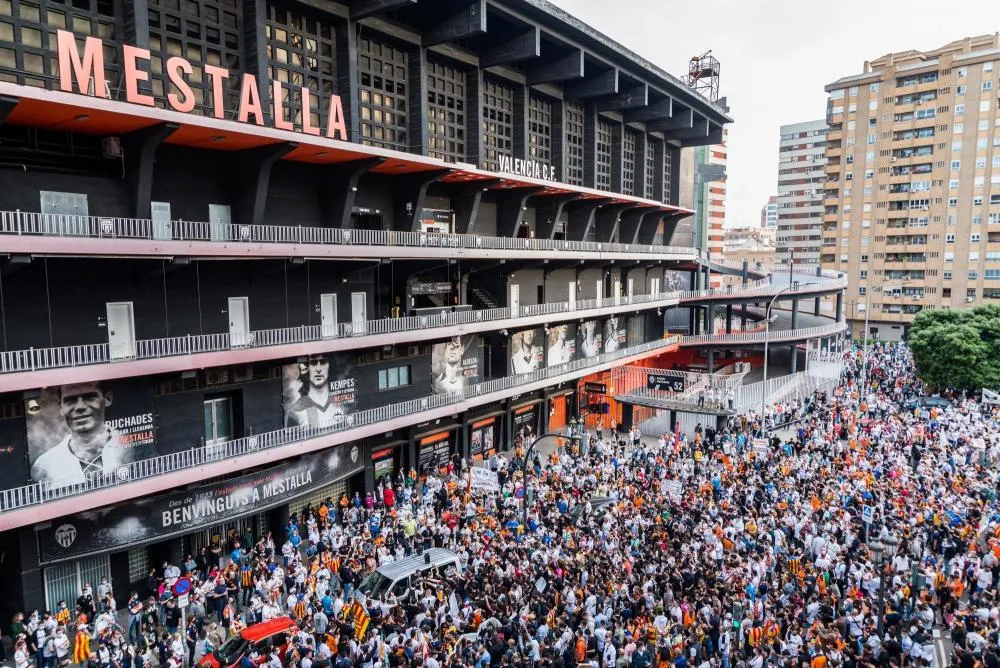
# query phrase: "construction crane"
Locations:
[[703, 75]]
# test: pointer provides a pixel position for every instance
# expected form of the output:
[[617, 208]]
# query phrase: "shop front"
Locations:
[[524, 422], [127, 541], [561, 408], [435, 448], [387, 461]]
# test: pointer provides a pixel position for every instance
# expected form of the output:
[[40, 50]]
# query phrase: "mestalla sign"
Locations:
[[84, 72], [158, 517]]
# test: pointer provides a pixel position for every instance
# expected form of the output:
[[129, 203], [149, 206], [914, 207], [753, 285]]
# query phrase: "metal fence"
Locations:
[[41, 492], [774, 336]]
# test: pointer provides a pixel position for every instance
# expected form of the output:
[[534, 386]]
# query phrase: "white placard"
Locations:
[[540, 585], [483, 478], [761, 448], [673, 488]]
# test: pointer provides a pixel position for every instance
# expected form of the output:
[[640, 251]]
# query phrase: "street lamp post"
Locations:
[[767, 336]]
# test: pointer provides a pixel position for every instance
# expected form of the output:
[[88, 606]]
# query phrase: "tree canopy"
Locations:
[[958, 349]]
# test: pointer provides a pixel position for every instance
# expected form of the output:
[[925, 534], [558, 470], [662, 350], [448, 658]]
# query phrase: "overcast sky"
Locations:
[[776, 56]]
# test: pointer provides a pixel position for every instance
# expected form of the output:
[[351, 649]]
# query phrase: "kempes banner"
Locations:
[[87, 429], [454, 364], [526, 352], [320, 391], [159, 517]]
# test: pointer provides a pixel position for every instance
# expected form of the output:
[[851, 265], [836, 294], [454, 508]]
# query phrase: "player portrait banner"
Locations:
[[560, 345], [589, 339], [155, 518], [614, 334], [75, 432], [320, 391], [526, 351], [455, 364]]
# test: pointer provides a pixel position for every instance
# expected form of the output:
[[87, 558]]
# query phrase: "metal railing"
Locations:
[[795, 386], [35, 359], [108, 227], [774, 336], [41, 492], [691, 386]]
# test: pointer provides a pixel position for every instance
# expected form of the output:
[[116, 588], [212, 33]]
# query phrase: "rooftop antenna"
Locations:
[[703, 75]]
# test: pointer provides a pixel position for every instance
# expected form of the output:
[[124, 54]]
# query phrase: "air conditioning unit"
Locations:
[[969, 300]]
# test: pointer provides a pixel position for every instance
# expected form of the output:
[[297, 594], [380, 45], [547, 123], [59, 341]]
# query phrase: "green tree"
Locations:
[[958, 349]]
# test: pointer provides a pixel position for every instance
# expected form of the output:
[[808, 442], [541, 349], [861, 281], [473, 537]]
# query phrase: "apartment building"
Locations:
[[769, 214], [801, 156], [912, 196]]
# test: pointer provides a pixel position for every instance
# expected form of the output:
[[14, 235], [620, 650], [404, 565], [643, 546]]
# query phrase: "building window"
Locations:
[[445, 112], [987, 85], [498, 123], [382, 70], [30, 38], [959, 109], [139, 564], [603, 154], [949, 238], [650, 163], [301, 52], [540, 130], [218, 420], [975, 238], [573, 121], [668, 167], [960, 90], [397, 376], [205, 32], [628, 161]]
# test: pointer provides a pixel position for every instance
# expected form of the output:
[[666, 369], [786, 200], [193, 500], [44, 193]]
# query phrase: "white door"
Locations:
[[220, 217], [599, 290], [328, 315], [616, 286], [631, 287], [654, 286], [67, 213], [572, 295], [121, 330], [160, 212], [239, 321], [515, 300], [359, 312]]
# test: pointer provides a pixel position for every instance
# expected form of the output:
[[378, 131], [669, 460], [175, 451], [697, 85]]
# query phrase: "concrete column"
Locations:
[[692, 322], [816, 308], [795, 359], [710, 320], [729, 318], [840, 307], [711, 361], [795, 313]]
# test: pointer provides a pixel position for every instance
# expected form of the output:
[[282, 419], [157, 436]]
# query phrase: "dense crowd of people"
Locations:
[[866, 530]]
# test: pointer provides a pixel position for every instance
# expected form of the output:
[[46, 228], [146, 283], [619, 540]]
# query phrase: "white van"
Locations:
[[395, 576]]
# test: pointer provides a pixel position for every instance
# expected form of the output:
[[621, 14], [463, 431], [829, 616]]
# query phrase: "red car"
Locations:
[[260, 638]]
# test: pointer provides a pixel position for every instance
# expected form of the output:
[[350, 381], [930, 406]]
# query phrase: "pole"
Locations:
[[767, 337]]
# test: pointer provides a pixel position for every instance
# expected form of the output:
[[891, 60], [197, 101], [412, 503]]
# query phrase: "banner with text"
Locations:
[[320, 390], [126, 525]]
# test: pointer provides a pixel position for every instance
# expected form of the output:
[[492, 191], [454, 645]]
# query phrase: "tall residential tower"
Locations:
[[912, 199], [800, 197]]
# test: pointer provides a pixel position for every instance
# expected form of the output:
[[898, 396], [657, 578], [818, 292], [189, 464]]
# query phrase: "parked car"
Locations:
[[259, 638]]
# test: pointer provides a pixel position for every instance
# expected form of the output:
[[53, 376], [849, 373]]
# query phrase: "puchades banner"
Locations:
[[526, 351], [589, 338], [158, 517], [320, 390], [75, 432], [455, 364]]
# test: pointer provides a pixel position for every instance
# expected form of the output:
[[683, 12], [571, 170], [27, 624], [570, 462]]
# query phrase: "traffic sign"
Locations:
[[182, 587], [868, 514]]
